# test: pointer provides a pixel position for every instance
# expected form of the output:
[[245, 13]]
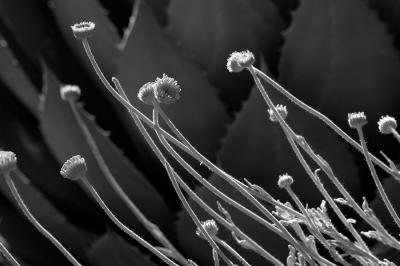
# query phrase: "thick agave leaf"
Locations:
[[149, 53], [73, 238], [65, 138], [103, 42], [211, 30], [111, 249], [25, 242], [339, 57], [389, 10], [12, 75]]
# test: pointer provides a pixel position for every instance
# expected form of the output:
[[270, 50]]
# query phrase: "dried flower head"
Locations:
[[386, 124], [70, 93], [146, 93], [166, 90], [238, 61], [8, 161], [281, 110], [285, 181], [357, 120], [83, 29], [74, 168], [210, 226]]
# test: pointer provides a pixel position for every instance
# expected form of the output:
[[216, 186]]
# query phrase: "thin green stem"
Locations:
[[322, 117], [124, 228], [7, 254], [151, 227], [232, 251], [38, 226], [378, 183]]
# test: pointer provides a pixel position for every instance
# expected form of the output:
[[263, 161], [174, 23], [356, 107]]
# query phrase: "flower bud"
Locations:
[[70, 93], [357, 120], [8, 161], [74, 168], [285, 181], [83, 29], [386, 124], [281, 110], [166, 90], [238, 61]]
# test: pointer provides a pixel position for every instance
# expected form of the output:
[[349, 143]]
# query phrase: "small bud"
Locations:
[[281, 110], [386, 124], [70, 93], [83, 29], [357, 120], [238, 61], [285, 181], [210, 226], [166, 90], [8, 161], [74, 168], [146, 93]]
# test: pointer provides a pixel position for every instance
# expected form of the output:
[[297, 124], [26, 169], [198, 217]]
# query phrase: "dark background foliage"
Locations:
[[339, 56]]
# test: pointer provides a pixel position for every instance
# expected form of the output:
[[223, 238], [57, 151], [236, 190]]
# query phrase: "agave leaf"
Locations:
[[16, 80], [22, 137], [103, 41], [200, 250], [149, 53], [65, 138], [111, 249], [389, 11], [211, 30], [74, 239], [339, 58], [25, 242]]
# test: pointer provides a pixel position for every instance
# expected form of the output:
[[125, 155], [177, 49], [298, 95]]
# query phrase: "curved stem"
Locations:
[[123, 227], [232, 251], [38, 226]]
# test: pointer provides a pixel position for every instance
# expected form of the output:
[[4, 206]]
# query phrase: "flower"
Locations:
[[166, 90], [70, 93], [146, 93], [281, 110], [83, 29], [8, 161], [74, 168], [357, 120], [210, 226], [238, 61], [285, 181], [386, 124]]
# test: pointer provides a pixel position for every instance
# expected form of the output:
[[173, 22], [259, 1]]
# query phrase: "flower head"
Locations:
[[70, 93], [386, 124], [210, 226], [238, 61], [285, 181], [146, 93], [281, 110], [166, 90], [8, 161], [83, 29], [74, 168], [357, 120]]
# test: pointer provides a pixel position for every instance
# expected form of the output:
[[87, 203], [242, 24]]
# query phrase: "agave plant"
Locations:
[[336, 56]]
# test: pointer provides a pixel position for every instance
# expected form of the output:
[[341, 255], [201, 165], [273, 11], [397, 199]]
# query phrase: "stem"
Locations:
[[378, 183], [36, 223], [124, 228], [151, 227], [132, 20], [395, 134], [4, 251], [322, 117], [232, 251]]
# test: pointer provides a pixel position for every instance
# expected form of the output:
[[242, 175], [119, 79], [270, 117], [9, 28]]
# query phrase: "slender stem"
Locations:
[[215, 257], [378, 183], [131, 25], [38, 226], [322, 117], [278, 228], [289, 134], [124, 228], [231, 250], [395, 134], [4, 251], [151, 227]]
